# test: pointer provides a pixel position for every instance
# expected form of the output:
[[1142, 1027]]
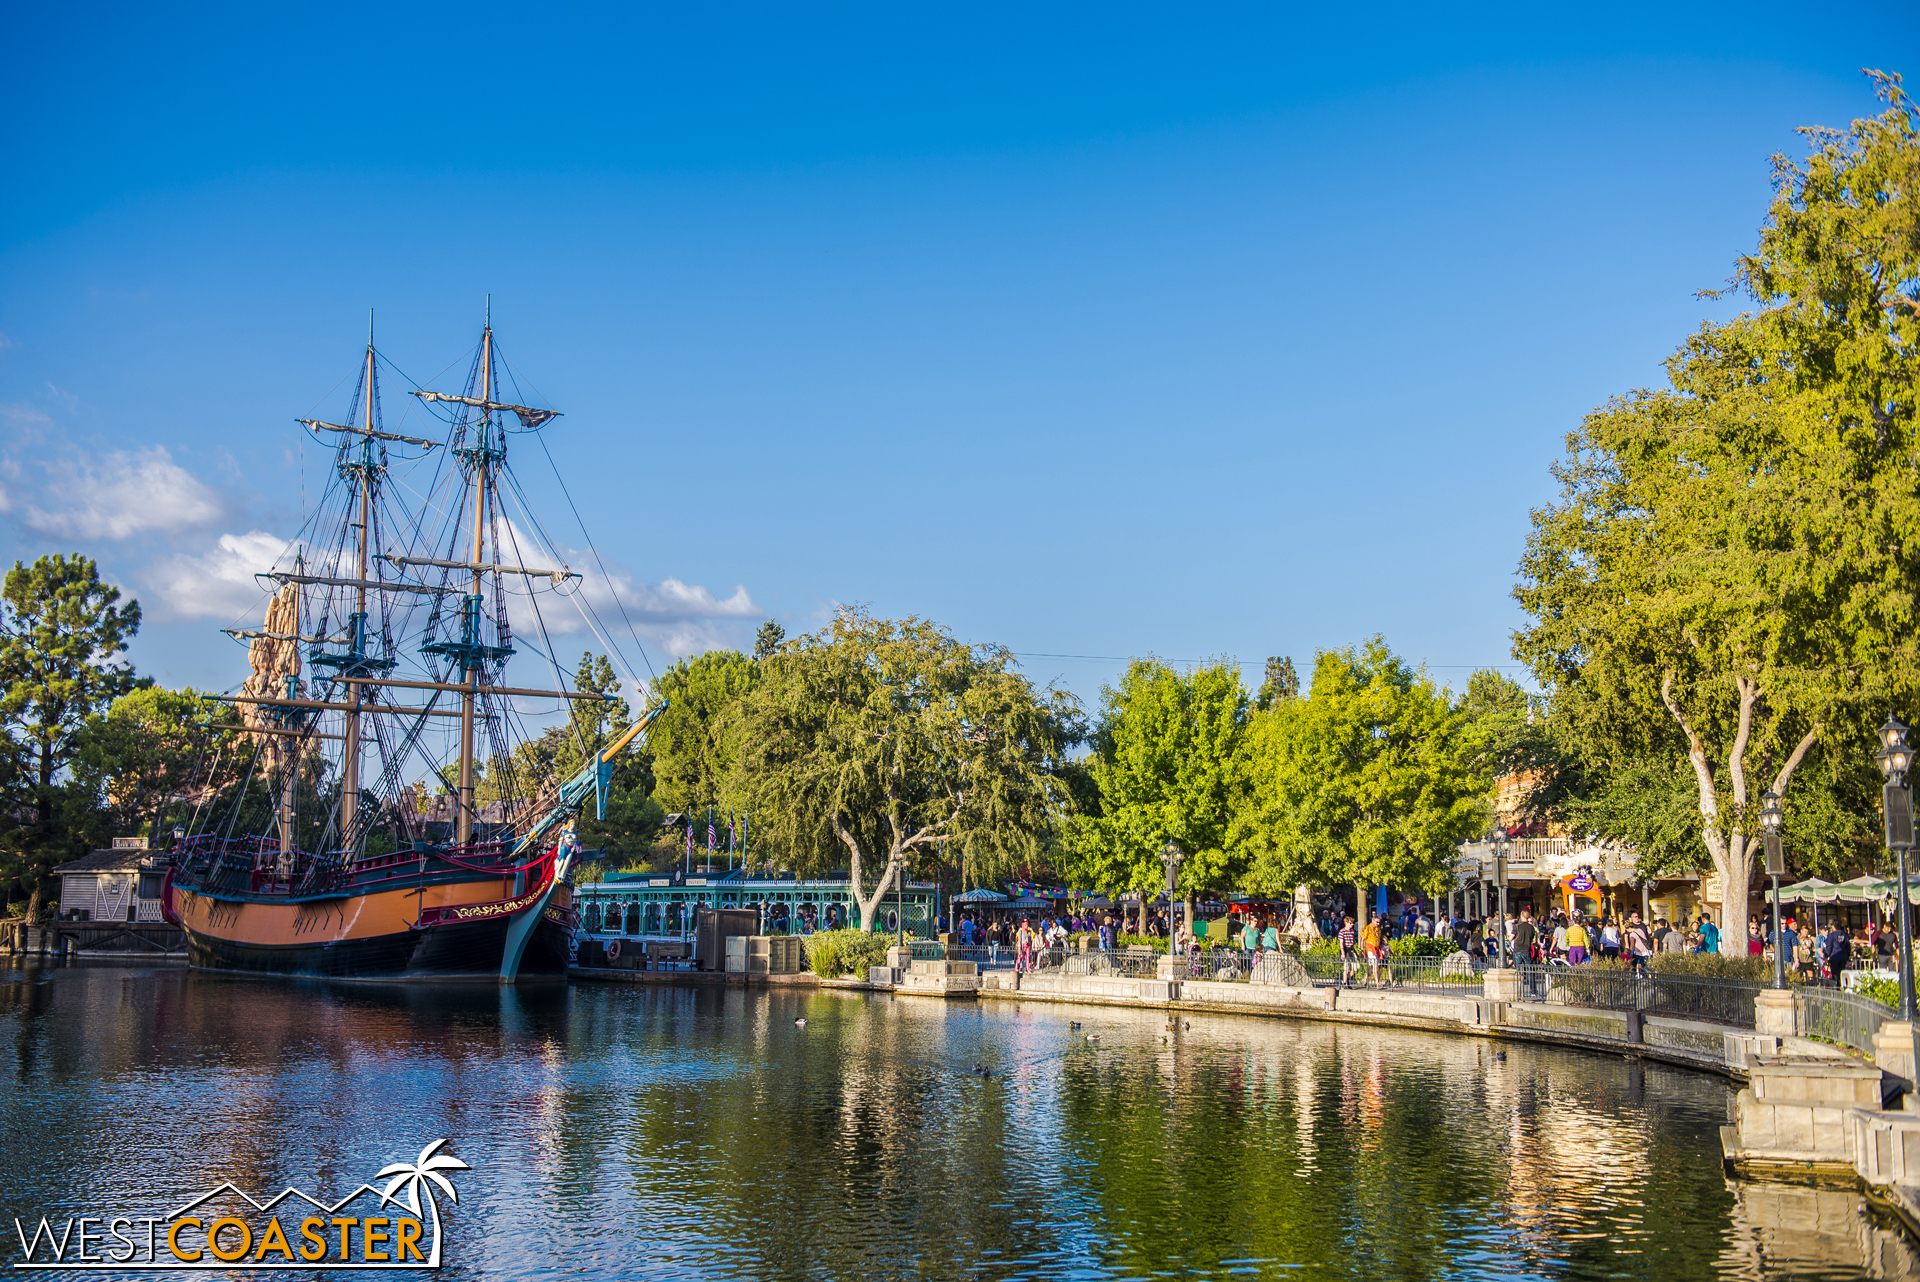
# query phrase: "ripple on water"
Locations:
[[626, 1131]]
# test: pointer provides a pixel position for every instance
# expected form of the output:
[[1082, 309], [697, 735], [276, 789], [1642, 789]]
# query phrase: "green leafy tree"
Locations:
[[767, 639], [1510, 734], [147, 760], [59, 628], [1169, 764], [691, 752], [1280, 684], [874, 739], [1728, 577], [1370, 780]]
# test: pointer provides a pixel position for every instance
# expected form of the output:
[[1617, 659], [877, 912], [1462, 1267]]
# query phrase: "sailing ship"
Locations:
[[383, 650]]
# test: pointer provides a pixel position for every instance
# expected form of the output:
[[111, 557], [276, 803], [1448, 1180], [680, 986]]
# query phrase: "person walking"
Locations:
[[1524, 937], [1836, 952], [1639, 944], [1577, 942], [1349, 941], [1709, 935]]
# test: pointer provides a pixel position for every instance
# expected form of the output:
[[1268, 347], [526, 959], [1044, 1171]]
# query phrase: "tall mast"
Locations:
[[463, 822], [357, 627]]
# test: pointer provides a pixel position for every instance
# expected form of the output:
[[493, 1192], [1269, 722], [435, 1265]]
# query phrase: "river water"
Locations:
[[639, 1132]]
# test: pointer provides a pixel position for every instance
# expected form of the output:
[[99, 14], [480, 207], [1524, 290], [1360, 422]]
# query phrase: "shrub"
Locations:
[[1714, 966], [1420, 946], [833, 953], [1884, 991]]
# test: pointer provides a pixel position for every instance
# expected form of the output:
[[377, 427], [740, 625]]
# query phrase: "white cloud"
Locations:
[[219, 583], [117, 496]]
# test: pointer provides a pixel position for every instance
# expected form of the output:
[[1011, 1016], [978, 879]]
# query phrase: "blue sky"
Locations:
[[1091, 331]]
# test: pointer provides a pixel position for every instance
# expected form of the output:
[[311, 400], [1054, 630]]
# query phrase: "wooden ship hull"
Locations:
[[417, 928]]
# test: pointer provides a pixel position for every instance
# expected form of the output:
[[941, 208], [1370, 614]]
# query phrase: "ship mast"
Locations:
[[357, 628], [470, 673]]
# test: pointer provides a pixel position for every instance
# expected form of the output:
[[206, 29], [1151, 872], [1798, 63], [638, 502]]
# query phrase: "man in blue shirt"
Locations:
[[1786, 945], [1709, 935]]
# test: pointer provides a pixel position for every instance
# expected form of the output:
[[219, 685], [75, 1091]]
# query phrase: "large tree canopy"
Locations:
[[1370, 780], [1169, 764], [874, 739], [60, 627], [1729, 576], [688, 746]]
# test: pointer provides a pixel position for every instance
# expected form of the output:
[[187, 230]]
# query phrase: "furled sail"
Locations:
[[529, 417]]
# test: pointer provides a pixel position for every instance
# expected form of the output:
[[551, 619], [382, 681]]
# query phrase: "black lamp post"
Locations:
[[1502, 848], [1776, 864], [1172, 857], [899, 901], [1894, 758]]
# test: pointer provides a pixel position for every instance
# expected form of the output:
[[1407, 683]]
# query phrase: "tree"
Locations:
[[1510, 734], [767, 639], [1727, 579], [1280, 684], [879, 738], [146, 758], [59, 626], [1369, 781], [688, 746], [1168, 760]]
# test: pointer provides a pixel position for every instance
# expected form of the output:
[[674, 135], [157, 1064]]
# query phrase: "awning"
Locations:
[[1811, 891], [1029, 903], [980, 896], [1888, 888]]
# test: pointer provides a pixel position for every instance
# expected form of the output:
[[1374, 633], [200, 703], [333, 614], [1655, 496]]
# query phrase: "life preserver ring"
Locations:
[[613, 950]]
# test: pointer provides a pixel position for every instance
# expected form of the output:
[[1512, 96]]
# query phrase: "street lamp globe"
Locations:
[[1894, 755], [1770, 810]]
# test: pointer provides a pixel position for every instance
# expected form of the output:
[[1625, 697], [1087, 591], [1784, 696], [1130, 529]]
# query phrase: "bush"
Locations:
[[1420, 946], [1884, 991], [833, 953], [1714, 966]]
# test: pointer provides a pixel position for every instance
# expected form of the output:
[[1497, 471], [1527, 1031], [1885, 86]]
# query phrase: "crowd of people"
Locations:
[[1572, 939]]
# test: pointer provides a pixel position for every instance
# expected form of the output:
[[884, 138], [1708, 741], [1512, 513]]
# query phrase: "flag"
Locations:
[[709, 834]]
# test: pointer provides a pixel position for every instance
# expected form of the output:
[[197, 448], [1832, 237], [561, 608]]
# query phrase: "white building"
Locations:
[[122, 884]]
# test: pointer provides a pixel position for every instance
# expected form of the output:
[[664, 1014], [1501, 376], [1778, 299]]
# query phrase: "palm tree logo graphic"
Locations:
[[418, 1177]]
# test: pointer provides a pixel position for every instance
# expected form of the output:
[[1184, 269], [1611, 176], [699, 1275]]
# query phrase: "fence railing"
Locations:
[[1721, 1001], [1845, 1019], [1451, 975]]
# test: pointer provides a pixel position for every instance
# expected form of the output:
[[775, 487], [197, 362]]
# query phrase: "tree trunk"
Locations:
[[867, 904], [1731, 852]]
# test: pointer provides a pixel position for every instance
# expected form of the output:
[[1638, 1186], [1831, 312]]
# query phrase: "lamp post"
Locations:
[[1502, 848], [1776, 864], [899, 900], [1894, 758], [1172, 856]]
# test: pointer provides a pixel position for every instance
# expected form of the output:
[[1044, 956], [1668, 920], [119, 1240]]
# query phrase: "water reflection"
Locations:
[[637, 1132]]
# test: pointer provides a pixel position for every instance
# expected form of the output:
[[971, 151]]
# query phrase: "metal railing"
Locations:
[[1720, 1001], [1845, 1019], [1449, 975]]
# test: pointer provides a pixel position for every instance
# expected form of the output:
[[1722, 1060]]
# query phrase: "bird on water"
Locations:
[[800, 1023]]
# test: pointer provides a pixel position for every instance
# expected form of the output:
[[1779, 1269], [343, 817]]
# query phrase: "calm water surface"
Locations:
[[636, 1132]]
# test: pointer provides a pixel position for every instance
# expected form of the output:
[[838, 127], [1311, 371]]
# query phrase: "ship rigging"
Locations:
[[387, 633]]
